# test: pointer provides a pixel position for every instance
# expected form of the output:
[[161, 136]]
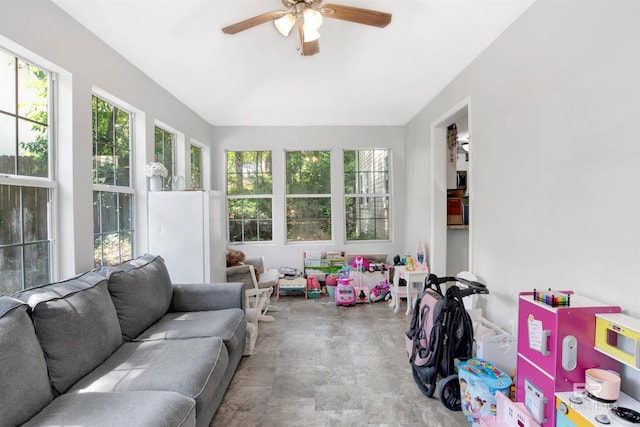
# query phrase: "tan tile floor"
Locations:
[[322, 365]]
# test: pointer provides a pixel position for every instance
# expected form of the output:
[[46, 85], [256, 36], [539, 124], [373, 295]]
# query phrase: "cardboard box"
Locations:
[[455, 211]]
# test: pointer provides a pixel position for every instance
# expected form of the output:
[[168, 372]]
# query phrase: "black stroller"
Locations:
[[440, 333]]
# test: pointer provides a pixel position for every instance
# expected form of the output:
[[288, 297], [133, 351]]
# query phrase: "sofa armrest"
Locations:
[[209, 296]]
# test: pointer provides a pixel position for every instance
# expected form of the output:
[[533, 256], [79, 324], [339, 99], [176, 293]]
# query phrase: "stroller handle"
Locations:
[[473, 287]]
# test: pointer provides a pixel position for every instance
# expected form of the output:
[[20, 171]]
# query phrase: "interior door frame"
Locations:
[[439, 186]]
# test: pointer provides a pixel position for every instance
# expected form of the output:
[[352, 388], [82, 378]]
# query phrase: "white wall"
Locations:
[[560, 91], [278, 139], [41, 32]]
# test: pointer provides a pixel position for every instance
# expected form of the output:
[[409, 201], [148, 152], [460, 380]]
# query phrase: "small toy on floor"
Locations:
[[379, 292], [345, 294]]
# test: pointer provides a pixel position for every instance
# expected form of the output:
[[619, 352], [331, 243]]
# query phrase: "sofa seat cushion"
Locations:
[[76, 324], [192, 367], [141, 292], [137, 408], [230, 325], [24, 382]]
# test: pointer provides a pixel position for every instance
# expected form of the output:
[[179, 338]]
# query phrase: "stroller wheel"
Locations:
[[450, 393], [425, 388]]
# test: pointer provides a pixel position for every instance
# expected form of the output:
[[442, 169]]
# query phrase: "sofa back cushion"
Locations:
[[141, 292], [76, 324], [24, 382]]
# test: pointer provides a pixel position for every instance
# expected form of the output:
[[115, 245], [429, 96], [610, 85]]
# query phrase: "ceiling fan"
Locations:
[[307, 16]]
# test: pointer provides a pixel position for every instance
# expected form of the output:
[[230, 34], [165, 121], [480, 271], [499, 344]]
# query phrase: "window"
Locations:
[[249, 196], [113, 194], [196, 167], [367, 193], [163, 153], [26, 183], [308, 194]]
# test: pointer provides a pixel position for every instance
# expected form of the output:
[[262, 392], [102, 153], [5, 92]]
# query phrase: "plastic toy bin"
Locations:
[[480, 380]]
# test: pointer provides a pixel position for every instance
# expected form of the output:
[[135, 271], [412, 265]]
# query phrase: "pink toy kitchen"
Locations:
[[570, 353]]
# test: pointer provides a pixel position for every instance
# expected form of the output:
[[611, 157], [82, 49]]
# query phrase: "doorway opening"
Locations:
[[452, 196]]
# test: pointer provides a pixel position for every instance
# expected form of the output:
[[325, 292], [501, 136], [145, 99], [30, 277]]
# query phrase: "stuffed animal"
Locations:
[[236, 257]]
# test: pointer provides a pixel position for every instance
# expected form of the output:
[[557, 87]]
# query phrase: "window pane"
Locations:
[[196, 162], [250, 219], [108, 212], [308, 219], [36, 264], [126, 244], [35, 213], [7, 83], [366, 172], [33, 155], [110, 249], [308, 172], [122, 129], [32, 93], [249, 172], [11, 267], [163, 153], [96, 212], [97, 250], [113, 227], [104, 120], [122, 173], [265, 230], [104, 164], [125, 211], [7, 144], [367, 218], [10, 218]]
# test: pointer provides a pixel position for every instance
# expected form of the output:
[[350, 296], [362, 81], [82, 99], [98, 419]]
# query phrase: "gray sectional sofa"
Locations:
[[119, 346]]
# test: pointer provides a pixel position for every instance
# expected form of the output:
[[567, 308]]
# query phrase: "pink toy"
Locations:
[[345, 294], [379, 291], [360, 264], [362, 290]]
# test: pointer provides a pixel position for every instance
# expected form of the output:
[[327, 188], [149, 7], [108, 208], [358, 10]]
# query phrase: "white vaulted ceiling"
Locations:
[[362, 76]]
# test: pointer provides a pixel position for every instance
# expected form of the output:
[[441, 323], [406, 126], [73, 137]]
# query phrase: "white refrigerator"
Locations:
[[187, 229]]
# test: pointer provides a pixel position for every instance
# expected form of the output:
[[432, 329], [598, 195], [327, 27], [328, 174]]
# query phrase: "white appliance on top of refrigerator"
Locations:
[[187, 229]]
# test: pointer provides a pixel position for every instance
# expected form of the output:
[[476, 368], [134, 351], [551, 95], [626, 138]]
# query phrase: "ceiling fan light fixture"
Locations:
[[312, 18], [310, 34], [285, 23]]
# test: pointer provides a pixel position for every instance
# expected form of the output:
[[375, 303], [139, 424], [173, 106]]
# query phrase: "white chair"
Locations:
[[258, 292]]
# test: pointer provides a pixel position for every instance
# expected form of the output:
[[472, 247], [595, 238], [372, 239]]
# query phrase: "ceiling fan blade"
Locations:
[[252, 22], [310, 48], [355, 14]]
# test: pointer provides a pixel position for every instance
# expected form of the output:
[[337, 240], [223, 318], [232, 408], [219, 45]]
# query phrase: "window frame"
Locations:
[[246, 196], [115, 189], [48, 182], [167, 182], [367, 197], [290, 196]]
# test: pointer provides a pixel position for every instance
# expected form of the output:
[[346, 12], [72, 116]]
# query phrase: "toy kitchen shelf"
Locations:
[[618, 336]]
